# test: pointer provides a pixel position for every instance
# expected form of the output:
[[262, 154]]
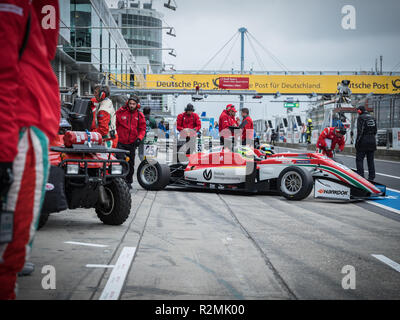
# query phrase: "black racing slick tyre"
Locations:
[[295, 183], [119, 203], [152, 175]]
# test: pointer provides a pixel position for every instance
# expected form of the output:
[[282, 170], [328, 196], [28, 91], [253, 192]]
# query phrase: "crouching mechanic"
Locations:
[[30, 117], [104, 117], [131, 128], [329, 138]]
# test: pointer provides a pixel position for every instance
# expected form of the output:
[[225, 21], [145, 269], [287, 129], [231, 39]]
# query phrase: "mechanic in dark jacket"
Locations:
[[365, 142], [131, 128]]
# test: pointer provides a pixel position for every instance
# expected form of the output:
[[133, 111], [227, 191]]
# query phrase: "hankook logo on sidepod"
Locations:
[[207, 174]]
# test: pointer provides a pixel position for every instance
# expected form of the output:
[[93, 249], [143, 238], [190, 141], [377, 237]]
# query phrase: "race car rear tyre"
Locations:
[[153, 175], [295, 183], [44, 216], [119, 203]]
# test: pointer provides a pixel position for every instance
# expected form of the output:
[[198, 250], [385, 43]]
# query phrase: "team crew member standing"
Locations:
[[131, 128], [247, 128], [188, 124], [365, 142], [329, 138], [188, 120], [30, 116], [104, 117], [226, 120]]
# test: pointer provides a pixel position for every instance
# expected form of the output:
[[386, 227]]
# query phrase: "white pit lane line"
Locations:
[[86, 244], [376, 203], [99, 266], [387, 261], [114, 285]]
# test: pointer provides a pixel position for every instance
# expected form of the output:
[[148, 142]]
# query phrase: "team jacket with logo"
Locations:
[[31, 94], [130, 125], [248, 128], [225, 121], [184, 121]]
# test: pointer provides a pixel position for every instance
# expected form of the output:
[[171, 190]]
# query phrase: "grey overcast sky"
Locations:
[[303, 34]]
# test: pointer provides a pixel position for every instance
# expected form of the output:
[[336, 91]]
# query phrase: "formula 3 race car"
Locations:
[[293, 175]]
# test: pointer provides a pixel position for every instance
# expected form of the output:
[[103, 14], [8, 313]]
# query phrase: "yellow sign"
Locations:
[[285, 84]]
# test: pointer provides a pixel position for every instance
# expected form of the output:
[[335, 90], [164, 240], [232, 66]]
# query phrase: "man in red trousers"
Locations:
[[30, 116]]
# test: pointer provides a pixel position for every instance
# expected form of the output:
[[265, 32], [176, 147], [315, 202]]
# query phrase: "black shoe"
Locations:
[[27, 270]]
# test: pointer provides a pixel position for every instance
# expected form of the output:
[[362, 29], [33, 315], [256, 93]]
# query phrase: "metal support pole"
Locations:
[[242, 32]]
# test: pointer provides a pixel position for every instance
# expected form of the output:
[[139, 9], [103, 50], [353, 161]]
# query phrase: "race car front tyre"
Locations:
[[118, 206], [153, 176], [295, 183]]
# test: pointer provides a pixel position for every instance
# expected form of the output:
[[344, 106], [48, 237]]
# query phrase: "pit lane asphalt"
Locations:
[[204, 245]]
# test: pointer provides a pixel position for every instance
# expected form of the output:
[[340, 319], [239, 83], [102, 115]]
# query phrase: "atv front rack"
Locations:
[[105, 173]]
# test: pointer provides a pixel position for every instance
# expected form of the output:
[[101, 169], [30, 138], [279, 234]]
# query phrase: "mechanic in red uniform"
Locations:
[[131, 128], [95, 103], [226, 120], [104, 120], [188, 120], [30, 117], [329, 138], [247, 128], [188, 124]]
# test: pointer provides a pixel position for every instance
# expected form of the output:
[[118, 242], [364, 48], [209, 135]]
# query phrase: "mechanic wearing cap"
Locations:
[[188, 120], [247, 127], [329, 138], [104, 117], [188, 124], [30, 117], [226, 120], [131, 128], [365, 142]]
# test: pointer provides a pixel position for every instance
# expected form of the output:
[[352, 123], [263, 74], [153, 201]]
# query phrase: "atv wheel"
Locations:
[[153, 175], [295, 183], [44, 216], [119, 203]]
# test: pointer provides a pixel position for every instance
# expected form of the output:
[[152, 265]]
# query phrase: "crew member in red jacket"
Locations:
[[131, 128], [247, 128], [30, 117], [104, 117], [188, 120], [227, 119], [188, 124], [329, 138]]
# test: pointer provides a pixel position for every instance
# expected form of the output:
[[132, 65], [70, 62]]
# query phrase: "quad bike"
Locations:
[[86, 174]]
